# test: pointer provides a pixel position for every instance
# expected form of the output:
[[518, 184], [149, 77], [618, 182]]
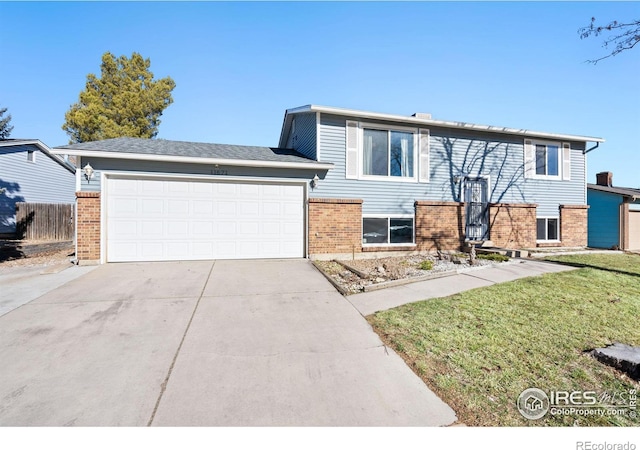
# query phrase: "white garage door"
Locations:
[[164, 220]]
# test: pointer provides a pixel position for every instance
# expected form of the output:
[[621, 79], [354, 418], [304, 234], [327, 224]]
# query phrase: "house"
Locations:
[[340, 183], [30, 172], [614, 214]]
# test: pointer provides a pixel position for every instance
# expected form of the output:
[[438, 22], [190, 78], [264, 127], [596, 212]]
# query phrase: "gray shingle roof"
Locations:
[[191, 149]]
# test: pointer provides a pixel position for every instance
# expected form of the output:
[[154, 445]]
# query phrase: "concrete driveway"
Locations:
[[224, 343]]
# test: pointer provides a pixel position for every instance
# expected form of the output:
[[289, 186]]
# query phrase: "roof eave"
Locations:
[[440, 123], [44, 148], [614, 190], [196, 160]]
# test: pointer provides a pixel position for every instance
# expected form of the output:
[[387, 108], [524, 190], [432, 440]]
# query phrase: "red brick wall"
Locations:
[[573, 225], [439, 225], [88, 228], [335, 225], [513, 225]]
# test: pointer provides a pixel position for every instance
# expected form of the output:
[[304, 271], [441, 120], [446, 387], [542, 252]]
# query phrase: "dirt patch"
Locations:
[[34, 253], [354, 276]]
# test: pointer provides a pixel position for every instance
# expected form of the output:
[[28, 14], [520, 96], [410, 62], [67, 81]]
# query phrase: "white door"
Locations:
[[165, 220]]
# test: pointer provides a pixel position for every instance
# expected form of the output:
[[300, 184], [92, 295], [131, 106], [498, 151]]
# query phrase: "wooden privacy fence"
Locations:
[[50, 221]]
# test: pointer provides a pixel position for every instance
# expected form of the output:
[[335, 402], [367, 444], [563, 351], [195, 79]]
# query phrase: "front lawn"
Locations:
[[480, 349]]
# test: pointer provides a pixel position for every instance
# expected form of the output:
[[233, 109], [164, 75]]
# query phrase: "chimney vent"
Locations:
[[604, 179], [425, 116]]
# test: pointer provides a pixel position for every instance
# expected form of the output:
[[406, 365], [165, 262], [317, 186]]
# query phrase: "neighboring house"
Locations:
[[341, 183], [29, 172], [614, 214]]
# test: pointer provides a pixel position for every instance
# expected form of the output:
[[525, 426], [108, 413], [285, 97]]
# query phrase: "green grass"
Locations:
[[479, 349], [622, 263]]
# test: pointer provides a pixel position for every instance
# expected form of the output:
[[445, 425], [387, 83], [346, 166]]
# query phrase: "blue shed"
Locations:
[[614, 215]]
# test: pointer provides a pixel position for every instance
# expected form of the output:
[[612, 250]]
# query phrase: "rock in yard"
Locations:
[[621, 356]]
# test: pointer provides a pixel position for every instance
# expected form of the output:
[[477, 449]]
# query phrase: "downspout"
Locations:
[[585, 167], [592, 148]]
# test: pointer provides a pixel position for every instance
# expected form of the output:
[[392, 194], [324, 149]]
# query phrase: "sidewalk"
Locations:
[[20, 285], [371, 302]]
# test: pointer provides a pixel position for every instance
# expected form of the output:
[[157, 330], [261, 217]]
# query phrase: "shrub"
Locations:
[[497, 257], [426, 265]]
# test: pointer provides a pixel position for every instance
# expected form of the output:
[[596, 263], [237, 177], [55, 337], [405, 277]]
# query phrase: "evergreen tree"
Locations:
[[124, 101], [5, 128]]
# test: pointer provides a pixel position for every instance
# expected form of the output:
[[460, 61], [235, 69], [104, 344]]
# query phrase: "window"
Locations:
[[31, 156], [547, 159], [547, 229], [387, 153], [387, 230]]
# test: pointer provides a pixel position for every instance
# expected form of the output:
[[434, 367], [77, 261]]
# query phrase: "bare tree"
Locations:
[[481, 157], [622, 36]]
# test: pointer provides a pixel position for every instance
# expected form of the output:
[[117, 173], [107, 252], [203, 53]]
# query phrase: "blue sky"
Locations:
[[238, 66]]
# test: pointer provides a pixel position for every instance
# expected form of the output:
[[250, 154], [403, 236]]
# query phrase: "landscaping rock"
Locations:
[[365, 274], [622, 357]]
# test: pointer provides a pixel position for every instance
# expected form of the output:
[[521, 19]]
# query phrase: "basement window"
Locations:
[[387, 230], [547, 229]]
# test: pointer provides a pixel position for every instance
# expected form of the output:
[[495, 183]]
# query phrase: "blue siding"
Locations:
[[41, 181], [604, 219], [303, 139], [452, 152], [162, 168], [550, 194]]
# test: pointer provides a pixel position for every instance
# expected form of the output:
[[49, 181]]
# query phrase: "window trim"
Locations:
[[389, 217], [560, 159], [546, 228], [376, 126], [31, 156]]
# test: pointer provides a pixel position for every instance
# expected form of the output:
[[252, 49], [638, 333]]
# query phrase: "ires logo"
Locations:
[[574, 398], [534, 403]]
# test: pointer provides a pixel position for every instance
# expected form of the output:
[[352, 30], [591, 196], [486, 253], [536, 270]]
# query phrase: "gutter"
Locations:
[[196, 160], [440, 123]]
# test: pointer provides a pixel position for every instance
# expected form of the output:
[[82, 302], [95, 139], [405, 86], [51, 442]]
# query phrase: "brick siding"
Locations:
[[88, 228], [513, 225], [573, 225], [439, 225], [335, 226]]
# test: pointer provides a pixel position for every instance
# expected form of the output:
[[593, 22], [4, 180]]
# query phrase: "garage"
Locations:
[[166, 219], [634, 230]]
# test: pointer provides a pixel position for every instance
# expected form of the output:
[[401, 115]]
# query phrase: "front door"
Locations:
[[476, 196]]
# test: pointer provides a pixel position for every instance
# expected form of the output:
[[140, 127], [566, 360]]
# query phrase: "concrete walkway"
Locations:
[[20, 285], [226, 343], [371, 302]]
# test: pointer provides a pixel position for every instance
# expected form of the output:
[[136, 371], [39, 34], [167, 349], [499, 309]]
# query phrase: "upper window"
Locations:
[[547, 157], [547, 160], [31, 156], [376, 152], [387, 153]]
